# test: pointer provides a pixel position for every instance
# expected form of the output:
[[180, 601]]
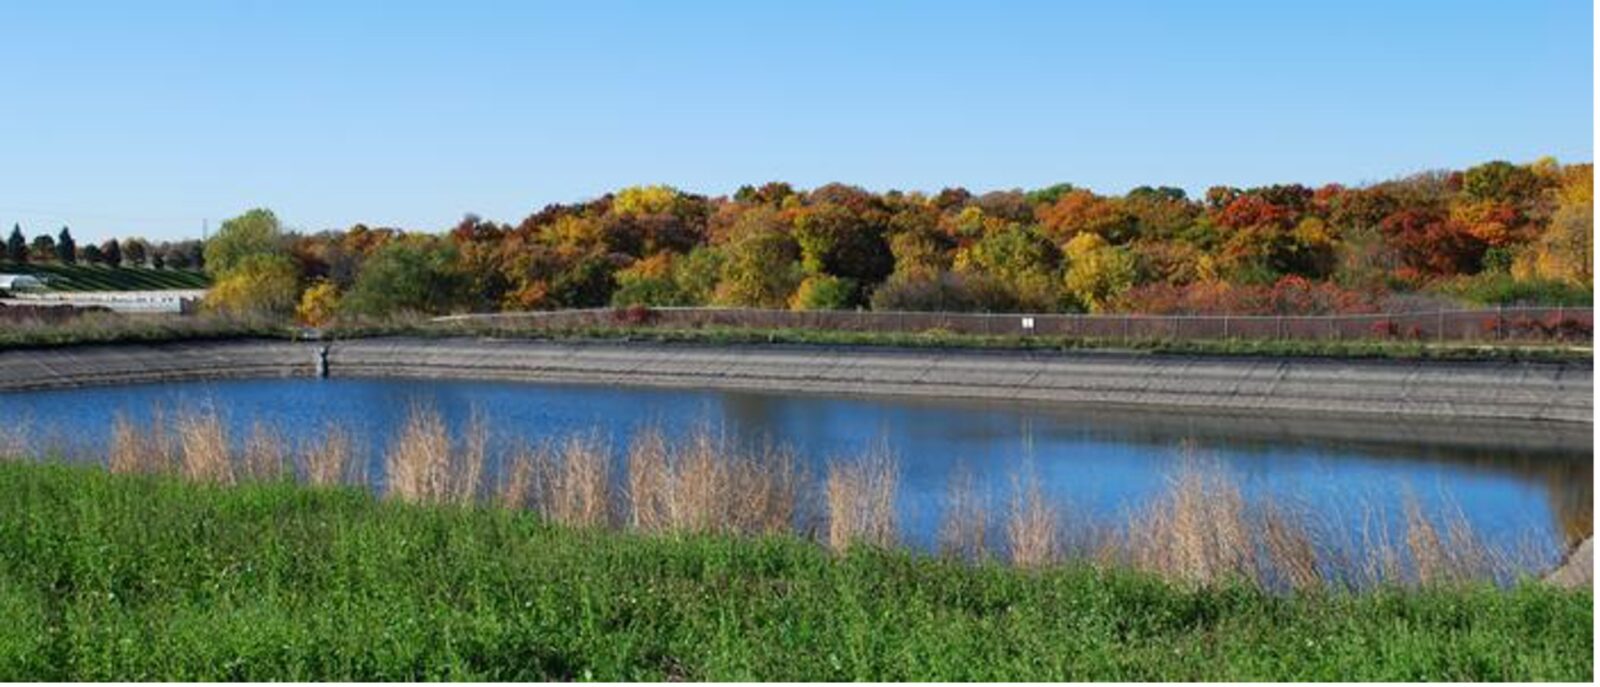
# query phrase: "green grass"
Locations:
[[106, 577], [1371, 348], [103, 278], [107, 328]]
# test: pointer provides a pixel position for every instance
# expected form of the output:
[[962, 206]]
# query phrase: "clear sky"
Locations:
[[146, 118]]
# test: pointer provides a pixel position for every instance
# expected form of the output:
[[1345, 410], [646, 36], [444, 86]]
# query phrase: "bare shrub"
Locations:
[[649, 481], [860, 497]]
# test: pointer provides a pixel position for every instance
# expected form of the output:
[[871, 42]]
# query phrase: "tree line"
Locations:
[[1493, 232], [130, 252]]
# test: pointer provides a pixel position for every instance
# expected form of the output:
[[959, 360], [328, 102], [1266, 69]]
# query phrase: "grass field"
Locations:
[[116, 577], [103, 278]]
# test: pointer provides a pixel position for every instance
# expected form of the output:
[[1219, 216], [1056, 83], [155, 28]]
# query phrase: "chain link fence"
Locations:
[[1516, 324]]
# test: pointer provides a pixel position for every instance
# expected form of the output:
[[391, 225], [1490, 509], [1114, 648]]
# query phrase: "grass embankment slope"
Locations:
[[105, 278], [107, 329], [120, 577]]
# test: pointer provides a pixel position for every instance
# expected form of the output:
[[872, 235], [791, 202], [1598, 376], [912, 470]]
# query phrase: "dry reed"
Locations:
[[573, 483], [204, 455], [326, 462], [1032, 527], [963, 534], [265, 453], [424, 466], [860, 497], [1197, 531]]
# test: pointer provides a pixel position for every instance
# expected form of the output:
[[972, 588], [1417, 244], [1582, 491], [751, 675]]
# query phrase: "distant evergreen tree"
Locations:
[[17, 245], [92, 255], [66, 248]]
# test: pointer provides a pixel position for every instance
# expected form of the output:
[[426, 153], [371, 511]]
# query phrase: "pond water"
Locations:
[[1519, 485]]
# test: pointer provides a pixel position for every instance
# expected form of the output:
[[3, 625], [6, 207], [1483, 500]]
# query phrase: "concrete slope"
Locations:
[[1503, 390]]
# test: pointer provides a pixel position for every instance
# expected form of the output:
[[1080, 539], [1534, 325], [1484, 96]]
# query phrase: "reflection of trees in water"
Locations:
[[1571, 488]]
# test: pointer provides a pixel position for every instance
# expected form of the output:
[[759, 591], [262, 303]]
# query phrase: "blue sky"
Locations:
[[148, 118]]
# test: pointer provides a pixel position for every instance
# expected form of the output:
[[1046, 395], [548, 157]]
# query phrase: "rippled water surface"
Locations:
[[1517, 484]]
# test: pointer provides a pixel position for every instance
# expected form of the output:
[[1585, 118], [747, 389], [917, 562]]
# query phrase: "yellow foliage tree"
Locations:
[[318, 304], [1565, 251], [260, 284], [1096, 272]]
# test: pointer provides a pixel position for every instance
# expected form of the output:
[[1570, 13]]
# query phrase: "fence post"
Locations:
[[1500, 322], [1439, 324], [1280, 327], [1224, 326], [1127, 321]]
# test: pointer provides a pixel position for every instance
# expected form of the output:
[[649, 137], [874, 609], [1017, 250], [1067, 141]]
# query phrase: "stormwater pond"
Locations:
[[1525, 487]]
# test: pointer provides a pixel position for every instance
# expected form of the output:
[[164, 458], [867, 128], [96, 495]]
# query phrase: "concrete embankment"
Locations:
[[1454, 390]]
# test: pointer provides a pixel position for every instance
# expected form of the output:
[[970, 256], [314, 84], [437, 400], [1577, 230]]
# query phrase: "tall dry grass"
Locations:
[[424, 465], [327, 461], [705, 484], [1197, 531], [203, 450], [964, 532], [266, 453], [1033, 526], [860, 500], [572, 482], [137, 449]]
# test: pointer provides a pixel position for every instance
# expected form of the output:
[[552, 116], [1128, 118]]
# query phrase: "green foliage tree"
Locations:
[[253, 233], [92, 255], [761, 271], [43, 248], [411, 275], [824, 292]]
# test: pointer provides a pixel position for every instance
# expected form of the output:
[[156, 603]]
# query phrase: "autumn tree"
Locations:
[[111, 253], [1096, 271], [410, 275], [259, 284], [761, 268], [256, 232]]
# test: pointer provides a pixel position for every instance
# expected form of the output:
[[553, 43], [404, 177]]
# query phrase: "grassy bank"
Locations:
[[103, 328], [136, 577]]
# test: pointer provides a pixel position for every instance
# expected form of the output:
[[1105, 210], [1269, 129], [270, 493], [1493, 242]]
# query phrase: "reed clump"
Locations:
[[424, 464], [861, 501], [1033, 526], [266, 453], [703, 484], [572, 482], [327, 461], [964, 532], [203, 451]]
